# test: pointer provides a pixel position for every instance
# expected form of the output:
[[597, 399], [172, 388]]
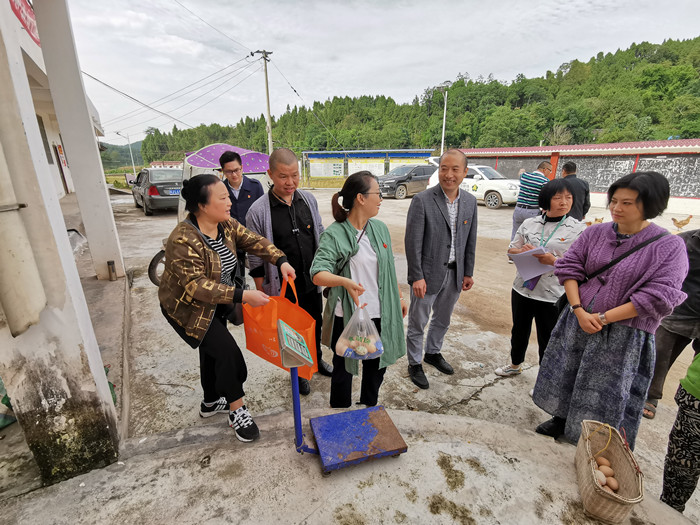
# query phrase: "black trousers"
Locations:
[[222, 369], [312, 302], [341, 380], [524, 311], [668, 347]]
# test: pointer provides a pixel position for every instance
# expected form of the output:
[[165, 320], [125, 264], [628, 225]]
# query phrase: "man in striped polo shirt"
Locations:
[[530, 186]]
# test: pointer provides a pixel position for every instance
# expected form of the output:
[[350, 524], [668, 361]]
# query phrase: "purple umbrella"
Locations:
[[208, 157]]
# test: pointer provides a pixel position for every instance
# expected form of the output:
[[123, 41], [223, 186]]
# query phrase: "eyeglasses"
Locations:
[[374, 193], [231, 172]]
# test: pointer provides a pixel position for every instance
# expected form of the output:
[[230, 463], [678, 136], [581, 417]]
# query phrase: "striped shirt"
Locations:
[[228, 258], [530, 186], [452, 208]]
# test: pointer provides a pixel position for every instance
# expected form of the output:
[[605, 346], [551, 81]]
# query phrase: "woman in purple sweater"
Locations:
[[600, 358]]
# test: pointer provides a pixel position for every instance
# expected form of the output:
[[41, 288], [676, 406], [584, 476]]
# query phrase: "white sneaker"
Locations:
[[509, 370]]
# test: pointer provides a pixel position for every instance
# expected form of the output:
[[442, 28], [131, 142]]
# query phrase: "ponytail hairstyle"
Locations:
[[355, 184], [196, 191]]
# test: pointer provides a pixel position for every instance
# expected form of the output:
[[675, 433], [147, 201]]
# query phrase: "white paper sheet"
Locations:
[[529, 266]]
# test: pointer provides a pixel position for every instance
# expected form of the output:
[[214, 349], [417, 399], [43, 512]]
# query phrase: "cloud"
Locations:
[[353, 48]]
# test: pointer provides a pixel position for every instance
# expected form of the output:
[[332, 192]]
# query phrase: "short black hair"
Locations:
[[550, 189], [196, 190], [455, 151], [569, 167], [229, 156], [652, 187]]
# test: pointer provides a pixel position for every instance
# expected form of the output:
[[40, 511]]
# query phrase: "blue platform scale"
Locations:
[[343, 439]]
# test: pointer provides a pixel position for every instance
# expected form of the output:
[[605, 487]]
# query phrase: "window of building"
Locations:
[[47, 148]]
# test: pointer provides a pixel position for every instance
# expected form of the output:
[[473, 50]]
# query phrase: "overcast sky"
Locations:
[[332, 48]]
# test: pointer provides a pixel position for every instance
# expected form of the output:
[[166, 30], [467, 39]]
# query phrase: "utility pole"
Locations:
[[265, 54], [444, 118], [133, 166], [444, 87]]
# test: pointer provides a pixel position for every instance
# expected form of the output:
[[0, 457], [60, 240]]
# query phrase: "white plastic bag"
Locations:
[[360, 339]]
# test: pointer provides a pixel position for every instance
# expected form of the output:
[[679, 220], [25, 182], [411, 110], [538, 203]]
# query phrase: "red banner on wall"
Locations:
[[25, 14]]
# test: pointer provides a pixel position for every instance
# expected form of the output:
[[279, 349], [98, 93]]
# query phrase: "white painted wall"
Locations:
[[676, 205], [64, 339], [77, 130]]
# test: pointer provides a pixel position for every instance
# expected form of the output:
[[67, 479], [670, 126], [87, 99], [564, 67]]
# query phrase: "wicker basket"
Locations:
[[599, 439]]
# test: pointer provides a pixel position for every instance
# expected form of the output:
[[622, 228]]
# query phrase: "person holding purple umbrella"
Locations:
[[243, 192]]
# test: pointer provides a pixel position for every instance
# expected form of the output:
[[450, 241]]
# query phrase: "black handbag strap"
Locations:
[[623, 256]]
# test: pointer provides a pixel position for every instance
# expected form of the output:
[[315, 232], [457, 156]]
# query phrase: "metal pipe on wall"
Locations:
[[22, 294]]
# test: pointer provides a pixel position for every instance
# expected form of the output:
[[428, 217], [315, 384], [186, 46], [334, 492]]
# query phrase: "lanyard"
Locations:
[[553, 231]]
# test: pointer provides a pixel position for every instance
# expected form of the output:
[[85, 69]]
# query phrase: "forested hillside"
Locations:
[[116, 156], [649, 91]]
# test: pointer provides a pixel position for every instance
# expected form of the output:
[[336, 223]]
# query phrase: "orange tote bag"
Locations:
[[261, 329]]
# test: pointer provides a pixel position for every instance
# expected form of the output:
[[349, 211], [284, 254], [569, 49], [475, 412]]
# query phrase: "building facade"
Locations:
[[602, 164]]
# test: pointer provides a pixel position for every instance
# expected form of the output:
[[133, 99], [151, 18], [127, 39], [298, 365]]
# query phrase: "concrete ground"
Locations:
[[472, 454]]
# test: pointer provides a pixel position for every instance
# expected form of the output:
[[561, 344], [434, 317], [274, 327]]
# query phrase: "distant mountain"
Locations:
[[649, 91], [116, 155]]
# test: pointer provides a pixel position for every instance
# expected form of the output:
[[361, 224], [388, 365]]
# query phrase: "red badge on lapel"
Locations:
[[384, 245]]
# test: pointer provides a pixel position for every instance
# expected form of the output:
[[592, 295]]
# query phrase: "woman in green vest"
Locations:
[[354, 259]]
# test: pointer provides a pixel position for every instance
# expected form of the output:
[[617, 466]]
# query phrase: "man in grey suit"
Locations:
[[440, 247]]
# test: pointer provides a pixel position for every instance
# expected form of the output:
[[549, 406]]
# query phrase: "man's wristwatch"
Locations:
[[602, 318], [574, 306]]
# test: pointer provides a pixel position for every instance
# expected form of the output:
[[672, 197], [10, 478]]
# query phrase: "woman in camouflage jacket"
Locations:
[[197, 291]]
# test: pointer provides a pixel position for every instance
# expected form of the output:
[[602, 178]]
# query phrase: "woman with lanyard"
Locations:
[[355, 259], [197, 293], [535, 298]]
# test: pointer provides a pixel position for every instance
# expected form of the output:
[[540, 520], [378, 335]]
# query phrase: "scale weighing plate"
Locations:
[[356, 436], [342, 439]]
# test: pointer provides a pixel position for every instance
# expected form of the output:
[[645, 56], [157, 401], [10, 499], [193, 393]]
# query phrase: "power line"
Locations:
[[310, 107], [131, 126], [135, 99], [140, 110], [214, 28], [220, 94]]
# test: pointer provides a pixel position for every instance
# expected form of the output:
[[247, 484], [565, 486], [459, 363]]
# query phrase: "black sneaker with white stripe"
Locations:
[[220, 406], [242, 422]]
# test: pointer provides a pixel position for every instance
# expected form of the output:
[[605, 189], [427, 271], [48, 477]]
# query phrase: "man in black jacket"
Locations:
[[243, 192], [582, 193]]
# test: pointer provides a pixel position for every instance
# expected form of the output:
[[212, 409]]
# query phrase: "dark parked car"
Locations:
[[157, 189], [405, 180]]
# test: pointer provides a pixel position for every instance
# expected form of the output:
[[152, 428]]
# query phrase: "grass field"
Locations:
[[324, 182], [118, 181]]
